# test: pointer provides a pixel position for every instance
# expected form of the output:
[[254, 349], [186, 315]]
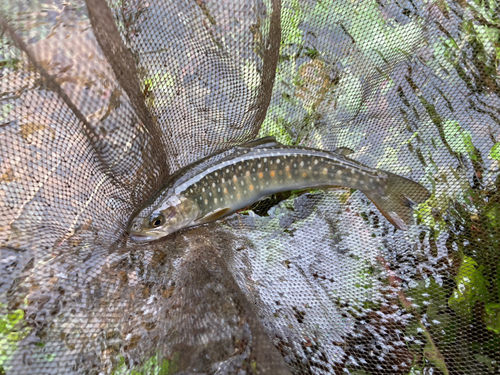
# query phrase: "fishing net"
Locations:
[[102, 101]]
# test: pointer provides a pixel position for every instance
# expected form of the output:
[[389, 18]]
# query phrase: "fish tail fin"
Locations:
[[398, 199]]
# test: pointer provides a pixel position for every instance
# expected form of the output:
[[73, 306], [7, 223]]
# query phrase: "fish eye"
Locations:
[[157, 220]]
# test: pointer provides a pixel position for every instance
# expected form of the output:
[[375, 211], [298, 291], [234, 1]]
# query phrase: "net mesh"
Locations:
[[102, 101]]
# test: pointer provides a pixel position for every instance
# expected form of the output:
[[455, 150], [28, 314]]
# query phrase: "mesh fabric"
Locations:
[[101, 101]]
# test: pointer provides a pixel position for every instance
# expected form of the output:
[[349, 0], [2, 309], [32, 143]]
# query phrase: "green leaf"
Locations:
[[291, 18], [459, 140], [6, 109], [495, 151], [15, 317], [490, 363], [471, 287], [159, 81], [433, 354], [492, 318], [277, 128]]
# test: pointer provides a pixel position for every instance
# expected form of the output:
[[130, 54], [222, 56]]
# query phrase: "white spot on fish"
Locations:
[[216, 174], [203, 189], [302, 163], [295, 165], [227, 170], [265, 160], [242, 182], [278, 161], [213, 184], [239, 167], [210, 193], [215, 200], [244, 192], [315, 161], [253, 178], [223, 180], [218, 190], [259, 165]]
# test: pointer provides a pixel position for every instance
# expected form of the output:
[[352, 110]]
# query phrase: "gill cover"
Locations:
[[171, 215]]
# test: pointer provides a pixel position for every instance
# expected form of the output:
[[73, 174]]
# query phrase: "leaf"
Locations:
[[459, 140], [492, 318], [159, 81], [486, 360], [29, 129], [471, 287], [6, 109], [433, 354], [495, 151], [15, 317], [291, 17], [489, 37], [276, 128]]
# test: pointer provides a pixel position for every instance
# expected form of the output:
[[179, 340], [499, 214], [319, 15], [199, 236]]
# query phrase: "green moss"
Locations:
[[153, 366], [12, 330]]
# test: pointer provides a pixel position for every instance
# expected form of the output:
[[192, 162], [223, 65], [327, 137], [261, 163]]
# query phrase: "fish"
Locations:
[[223, 183]]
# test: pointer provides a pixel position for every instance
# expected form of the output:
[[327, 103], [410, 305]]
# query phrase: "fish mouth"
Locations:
[[141, 238]]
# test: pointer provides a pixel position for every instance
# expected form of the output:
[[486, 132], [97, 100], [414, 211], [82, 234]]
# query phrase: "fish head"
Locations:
[[171, 215]]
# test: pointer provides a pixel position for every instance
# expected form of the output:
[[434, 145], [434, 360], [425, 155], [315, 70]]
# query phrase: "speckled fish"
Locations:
[[228, 181]]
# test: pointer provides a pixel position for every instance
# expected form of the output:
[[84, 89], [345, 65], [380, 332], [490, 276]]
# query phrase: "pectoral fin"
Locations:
[[214, 215], [269, 141]]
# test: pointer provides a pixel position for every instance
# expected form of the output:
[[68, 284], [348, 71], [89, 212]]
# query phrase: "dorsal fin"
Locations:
[[344, 151], [266, 141]]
